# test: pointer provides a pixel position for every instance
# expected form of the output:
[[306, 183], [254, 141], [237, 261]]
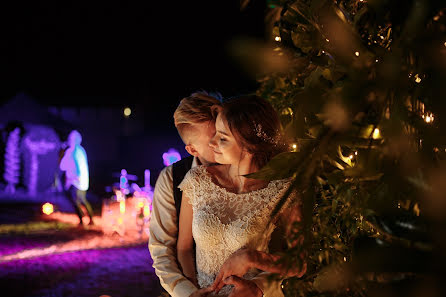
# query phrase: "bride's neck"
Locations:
[[236, 174]]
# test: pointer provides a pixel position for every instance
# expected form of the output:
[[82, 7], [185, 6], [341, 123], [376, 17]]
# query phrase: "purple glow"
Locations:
[[171, 156]]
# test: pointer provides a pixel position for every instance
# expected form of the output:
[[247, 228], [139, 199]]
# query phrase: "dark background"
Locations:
[[143, 54], [123, 52]]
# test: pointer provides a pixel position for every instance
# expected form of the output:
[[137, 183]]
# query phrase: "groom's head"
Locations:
[[195, 122]]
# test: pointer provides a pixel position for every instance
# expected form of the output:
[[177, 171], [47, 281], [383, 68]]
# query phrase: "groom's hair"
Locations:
[[197, 108]]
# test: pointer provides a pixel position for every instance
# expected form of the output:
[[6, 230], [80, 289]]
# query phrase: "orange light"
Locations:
[[146, 211], [122, 206], [47, 208]]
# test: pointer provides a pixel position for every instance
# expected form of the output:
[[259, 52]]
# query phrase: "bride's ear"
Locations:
[[191, 150]]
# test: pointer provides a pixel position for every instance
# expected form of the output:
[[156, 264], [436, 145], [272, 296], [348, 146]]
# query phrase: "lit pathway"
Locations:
[[76, 262]]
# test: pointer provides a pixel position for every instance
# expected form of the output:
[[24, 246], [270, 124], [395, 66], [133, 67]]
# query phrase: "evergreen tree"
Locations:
[[360, 87]]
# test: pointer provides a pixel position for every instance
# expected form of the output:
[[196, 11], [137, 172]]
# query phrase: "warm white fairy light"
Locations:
[[376, 133], [428, 118], [277, 38], [417, 78], [357, 54]]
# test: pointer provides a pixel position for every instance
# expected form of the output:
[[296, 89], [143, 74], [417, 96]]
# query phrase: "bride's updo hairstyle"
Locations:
[[256, 126]]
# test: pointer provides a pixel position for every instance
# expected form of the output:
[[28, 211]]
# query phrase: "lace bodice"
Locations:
[[224, 222]]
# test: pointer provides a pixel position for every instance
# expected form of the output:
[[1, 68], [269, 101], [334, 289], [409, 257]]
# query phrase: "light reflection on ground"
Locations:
[[81, 238]]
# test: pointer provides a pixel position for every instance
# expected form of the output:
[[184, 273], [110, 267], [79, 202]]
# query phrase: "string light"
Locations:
[[376, 133], [417, 78], [357, 54], [428, 118], [326, 39], [277, 38]]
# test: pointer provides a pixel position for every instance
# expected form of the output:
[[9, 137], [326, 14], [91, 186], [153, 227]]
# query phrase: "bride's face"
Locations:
[[226, 148]]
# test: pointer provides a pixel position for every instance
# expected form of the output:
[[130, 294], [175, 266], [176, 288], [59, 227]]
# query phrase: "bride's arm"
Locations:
[[185, 249]]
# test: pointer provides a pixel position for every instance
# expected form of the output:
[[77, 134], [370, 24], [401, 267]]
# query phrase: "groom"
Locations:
[[195, 122]]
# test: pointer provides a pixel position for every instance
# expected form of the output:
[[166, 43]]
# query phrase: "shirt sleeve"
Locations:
[[163, 238]]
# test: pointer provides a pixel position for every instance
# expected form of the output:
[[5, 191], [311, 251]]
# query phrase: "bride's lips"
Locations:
[[217, 153]]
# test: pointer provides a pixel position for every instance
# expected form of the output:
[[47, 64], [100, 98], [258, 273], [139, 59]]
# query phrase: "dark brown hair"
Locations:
[[256, 126]]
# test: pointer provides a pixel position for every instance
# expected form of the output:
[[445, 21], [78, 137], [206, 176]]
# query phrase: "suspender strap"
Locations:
[[179, 170]]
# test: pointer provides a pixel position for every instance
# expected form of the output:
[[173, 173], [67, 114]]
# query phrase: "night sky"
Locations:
[[100, 53], [143, 54]]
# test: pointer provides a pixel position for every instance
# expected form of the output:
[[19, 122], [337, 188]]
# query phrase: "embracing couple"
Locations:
[[209, 227]]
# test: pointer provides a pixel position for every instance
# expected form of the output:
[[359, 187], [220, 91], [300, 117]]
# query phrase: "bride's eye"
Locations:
[[222, 139]]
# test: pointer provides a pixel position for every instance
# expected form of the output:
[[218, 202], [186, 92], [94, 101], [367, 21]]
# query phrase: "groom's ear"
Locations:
[[191, 150]]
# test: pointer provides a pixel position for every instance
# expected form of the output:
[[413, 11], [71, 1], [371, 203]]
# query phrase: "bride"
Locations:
[[227, 213]]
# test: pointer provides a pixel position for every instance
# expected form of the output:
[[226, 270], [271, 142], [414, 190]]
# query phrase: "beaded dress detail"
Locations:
[[223, 222]]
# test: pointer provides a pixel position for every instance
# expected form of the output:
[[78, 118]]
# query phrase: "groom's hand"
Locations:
[[243, 287]]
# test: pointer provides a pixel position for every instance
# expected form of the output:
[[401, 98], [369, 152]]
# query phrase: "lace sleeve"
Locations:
[[189, 184]]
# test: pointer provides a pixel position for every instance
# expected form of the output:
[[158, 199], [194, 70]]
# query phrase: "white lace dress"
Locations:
[[224, 222]]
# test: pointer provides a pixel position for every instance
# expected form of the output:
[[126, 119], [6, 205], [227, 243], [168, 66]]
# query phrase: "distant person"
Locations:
[[75, 165]]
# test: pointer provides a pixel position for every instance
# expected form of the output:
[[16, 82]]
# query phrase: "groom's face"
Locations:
[[203, 133]]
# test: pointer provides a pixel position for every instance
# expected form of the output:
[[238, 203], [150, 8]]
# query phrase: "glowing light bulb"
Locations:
[[47, 208], [277, 38], [294, 146], [357, 54], [429, 118], [146, 211], [326, 39], [127, 112], [122, 206], [444, 43], [417, 78], [376, 133]]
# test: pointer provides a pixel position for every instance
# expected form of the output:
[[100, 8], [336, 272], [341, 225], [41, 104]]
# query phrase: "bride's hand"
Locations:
[[202, 292], [237, 264]]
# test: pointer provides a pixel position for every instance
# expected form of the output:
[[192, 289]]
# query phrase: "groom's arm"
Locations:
[[163, 238]]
